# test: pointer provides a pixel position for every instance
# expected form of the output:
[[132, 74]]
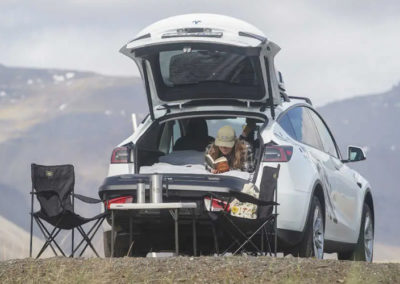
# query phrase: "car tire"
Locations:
[[365, 244], [312, 244]]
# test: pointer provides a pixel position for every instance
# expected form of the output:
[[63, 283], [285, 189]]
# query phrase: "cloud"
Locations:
[[330, 49]]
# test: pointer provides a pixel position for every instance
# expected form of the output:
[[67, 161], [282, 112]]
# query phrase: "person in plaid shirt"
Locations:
[[238, 152]]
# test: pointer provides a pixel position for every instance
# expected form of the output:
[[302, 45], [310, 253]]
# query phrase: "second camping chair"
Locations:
[[54, 188], [257, 236]]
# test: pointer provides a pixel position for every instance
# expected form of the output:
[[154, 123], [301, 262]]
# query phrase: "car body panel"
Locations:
[[232, 38]]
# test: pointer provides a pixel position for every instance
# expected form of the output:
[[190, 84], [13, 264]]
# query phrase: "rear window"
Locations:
[[206, 71], [187, 66]]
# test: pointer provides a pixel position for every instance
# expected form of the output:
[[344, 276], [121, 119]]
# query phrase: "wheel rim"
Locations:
[[368, 237], [318, 233]]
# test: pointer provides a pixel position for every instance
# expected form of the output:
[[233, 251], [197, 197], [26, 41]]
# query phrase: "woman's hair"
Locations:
[[235, 158]]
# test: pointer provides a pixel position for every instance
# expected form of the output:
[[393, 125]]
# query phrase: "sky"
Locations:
[[331, 50]]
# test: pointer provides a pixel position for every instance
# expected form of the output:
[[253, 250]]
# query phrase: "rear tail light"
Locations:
[[214, 204], [120, 155], [119, 200], [277, 153]]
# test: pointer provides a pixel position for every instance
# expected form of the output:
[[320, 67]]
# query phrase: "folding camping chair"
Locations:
[[244, 232], [54, 189]]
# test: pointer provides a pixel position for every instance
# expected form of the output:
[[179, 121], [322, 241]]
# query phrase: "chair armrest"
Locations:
[[243, 197], [86, 198]]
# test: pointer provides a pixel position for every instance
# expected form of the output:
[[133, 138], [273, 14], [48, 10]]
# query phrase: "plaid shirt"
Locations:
[[248, 164]]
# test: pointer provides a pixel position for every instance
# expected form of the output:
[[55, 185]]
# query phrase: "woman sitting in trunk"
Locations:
[[228, 152]]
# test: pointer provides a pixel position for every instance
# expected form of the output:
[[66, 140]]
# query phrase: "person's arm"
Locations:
[[249, 162], [248, 131]]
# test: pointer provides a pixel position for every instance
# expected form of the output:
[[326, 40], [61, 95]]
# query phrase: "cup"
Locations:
[[156, 188], [141, 192]]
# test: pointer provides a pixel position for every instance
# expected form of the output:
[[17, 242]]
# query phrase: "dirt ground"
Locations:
[[236, 269]]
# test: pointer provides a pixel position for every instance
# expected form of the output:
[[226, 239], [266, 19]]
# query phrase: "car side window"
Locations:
[[304, 127], [326, 137], [166, 137], [176, 132], [286, 125]]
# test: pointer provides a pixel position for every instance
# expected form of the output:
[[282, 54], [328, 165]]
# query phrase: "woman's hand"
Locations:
[[215, 171], [251, 126]]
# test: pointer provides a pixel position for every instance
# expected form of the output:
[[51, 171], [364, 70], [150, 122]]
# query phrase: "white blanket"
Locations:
[[164, 168], [187, 162]]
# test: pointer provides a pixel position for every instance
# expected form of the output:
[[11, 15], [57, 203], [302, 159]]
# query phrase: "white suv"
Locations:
[[215, 70]]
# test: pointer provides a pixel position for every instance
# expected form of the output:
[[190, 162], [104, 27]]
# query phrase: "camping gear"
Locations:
[[53, 187]]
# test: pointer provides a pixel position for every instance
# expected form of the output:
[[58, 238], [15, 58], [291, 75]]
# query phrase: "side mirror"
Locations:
[[355, 154], [134, 122]]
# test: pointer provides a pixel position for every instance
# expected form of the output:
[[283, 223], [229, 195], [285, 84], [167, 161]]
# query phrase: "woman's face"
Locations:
[[225, 150]]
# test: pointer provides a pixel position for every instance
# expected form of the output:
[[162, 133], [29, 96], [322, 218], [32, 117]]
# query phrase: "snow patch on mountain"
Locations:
[[58, 78], [62, 107], [69, 75]]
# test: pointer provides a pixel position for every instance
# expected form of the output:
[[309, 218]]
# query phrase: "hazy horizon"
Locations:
[[330, 51]]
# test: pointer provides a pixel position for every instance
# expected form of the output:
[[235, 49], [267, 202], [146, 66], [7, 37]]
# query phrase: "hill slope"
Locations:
[[240, 269]]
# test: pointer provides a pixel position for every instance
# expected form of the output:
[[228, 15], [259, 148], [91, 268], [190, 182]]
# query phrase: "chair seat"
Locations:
[[66, 220]]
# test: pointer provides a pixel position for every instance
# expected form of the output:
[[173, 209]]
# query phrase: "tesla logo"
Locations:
[[196, 22]]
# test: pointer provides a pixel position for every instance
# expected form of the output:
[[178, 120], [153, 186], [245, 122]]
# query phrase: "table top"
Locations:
[[137, 206]]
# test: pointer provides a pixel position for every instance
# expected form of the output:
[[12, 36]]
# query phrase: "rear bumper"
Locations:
[[174, 185]]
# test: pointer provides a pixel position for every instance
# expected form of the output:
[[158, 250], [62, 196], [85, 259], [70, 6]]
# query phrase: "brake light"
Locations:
[[119, 200], [277, 153], [214, 204], [120, 155]]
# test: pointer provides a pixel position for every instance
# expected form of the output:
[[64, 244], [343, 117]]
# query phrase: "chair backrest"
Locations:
[[268, 188], [54, 185]]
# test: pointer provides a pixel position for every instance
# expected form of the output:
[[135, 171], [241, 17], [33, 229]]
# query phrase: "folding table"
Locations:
[[172, 207]]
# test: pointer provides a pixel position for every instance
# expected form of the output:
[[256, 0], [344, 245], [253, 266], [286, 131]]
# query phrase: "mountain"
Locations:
[[372, 122], [60, 117]]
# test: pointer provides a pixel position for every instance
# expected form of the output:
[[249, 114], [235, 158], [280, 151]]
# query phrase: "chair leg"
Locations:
[[53, 234], [72, 243], [83, 240], [82, 232], [249, 238], [215, 238], [46, 233], [268, 241], [96, 227], [31, 237]]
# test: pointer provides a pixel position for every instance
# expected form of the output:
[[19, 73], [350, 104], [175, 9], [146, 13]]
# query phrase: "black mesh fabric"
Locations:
[[53, 185], [267, 187]]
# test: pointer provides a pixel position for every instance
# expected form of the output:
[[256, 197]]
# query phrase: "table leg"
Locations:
[[112, 233], [130, 235], [176, 233], [194, 234]]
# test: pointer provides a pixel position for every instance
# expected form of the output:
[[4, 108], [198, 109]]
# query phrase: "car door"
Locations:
[[344, 191], [298, 124]]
